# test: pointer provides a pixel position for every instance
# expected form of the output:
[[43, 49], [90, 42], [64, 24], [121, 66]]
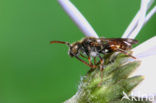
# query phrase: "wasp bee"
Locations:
[[95, 47]]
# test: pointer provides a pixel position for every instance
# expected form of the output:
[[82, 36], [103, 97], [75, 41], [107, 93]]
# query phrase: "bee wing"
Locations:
[[131, 41], [127, 40]]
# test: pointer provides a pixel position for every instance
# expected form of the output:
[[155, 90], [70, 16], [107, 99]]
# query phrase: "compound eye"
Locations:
[[73, 50], [75, 47], [70, 52]]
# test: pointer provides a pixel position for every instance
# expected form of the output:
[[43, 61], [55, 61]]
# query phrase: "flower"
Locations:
[[144, 52]]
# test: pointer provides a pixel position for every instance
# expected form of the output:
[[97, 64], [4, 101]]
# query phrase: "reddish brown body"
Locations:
[[96, 47]]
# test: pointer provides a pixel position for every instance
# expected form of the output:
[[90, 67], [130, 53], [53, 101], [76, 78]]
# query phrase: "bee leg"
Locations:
[[132, 56], [94, 60], [101, 69], [91, 66], [129, 55], [89, 59], [122, 51], [83, 56]]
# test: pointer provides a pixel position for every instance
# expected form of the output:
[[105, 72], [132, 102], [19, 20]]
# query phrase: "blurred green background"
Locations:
[[32, 70]]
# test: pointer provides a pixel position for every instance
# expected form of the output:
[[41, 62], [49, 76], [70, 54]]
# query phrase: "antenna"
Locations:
[[61, 42]]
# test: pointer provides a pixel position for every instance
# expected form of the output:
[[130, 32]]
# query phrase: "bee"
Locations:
[[90, 47]]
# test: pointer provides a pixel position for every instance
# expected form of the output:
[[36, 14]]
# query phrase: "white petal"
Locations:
[[148, 70], [145, 49], [78, 18], [141, 18], [143, 10], [150, 14], [146, 52]]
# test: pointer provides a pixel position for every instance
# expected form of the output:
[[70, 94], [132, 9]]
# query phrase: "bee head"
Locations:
[[74, 49]]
